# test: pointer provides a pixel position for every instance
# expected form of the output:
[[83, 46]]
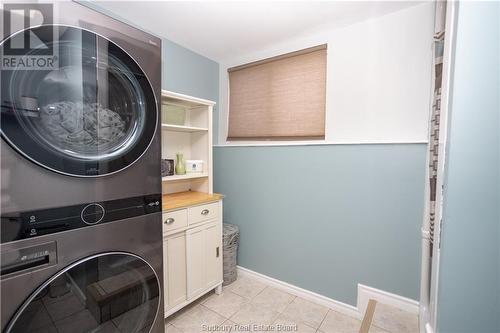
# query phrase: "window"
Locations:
[[280, 98]]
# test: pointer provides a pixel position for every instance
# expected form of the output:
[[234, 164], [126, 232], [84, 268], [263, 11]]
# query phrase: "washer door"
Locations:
[[110, 292], [90, 114]]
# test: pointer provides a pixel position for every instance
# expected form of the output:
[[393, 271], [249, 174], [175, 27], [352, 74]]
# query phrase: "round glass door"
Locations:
[[115, 292], [88, 112]]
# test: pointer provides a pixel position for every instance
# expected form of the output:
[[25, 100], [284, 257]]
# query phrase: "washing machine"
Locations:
[[81, 239]]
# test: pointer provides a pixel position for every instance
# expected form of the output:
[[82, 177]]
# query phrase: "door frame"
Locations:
[[430, 280]]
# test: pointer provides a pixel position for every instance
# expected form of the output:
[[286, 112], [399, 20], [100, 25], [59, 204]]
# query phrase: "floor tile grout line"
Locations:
[[279, 313], [246, 301], [288, 304], [260, 292], [382, 329], [284, 314], [324, 318], [207, 308], [294, 297], [176, 327], [251, 298], [232, 292]]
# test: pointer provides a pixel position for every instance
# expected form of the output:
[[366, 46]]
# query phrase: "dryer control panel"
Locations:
[[21, 225], [29, 258]]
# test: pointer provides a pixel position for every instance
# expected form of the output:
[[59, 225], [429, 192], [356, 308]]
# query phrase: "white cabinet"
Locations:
[[174, 220], [174, 262], [204, 257], [202, 213], [192, 255], [213, 253], [196, 265]]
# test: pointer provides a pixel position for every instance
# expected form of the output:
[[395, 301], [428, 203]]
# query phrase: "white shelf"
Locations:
[[184, 100], [192, 138], [186, 129], [186, 176]]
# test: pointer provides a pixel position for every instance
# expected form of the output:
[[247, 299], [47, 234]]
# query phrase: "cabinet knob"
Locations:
[[217, 252], [170, 220], [205, 212]]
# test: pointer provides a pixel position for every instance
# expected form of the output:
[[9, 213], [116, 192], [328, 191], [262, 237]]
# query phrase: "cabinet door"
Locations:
[[175, 253], [213, 254], [196, 280]]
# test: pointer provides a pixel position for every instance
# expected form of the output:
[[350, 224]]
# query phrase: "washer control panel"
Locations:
[[92, 213], [29, 224]]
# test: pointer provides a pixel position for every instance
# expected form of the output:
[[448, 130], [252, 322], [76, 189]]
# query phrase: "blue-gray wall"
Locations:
[[469, 288], [327, 217], [187, 72]]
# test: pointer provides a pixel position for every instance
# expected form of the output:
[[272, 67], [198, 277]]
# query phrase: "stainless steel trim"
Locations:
[[58, 274], [145, 74]]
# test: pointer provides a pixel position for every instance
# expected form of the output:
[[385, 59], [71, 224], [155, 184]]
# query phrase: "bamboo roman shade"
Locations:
[[280, 98]]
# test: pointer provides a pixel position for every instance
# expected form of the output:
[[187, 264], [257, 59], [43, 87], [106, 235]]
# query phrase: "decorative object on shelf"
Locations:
[[173, 114], [167, 167], [194, 166], [180, 167]]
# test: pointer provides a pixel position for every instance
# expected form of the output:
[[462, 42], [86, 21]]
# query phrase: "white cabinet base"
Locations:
[[192, 252]]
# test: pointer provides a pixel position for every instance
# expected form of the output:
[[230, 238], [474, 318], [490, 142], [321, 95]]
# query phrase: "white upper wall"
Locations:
[[378, 77], [223, 29]]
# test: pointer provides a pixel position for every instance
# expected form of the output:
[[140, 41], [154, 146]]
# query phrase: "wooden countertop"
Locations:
[[185, 199]]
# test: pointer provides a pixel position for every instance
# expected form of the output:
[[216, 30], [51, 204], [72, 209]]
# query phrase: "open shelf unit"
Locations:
[[184, 177], [191, 212], [187, 130], [181, 128]]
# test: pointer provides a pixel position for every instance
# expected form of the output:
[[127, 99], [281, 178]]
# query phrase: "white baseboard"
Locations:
[[303, 293], [364, 294]]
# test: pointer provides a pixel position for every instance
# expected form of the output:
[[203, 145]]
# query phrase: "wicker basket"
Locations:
[[230, 240]]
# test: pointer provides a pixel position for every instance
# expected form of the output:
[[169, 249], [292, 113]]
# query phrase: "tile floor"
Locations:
[[248, 305]]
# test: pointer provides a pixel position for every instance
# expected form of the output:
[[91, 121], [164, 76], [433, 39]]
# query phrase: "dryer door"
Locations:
[[109, 292], [88, 111]]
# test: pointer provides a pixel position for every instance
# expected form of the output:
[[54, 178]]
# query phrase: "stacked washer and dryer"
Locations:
[[81, 239]]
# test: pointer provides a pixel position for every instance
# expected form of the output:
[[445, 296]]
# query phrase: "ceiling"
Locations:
[[222, 29]]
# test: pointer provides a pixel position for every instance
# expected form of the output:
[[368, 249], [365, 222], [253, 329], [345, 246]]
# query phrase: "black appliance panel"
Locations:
[[28, 224]]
